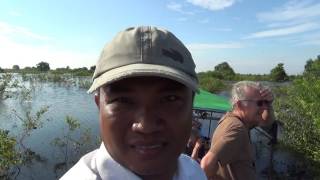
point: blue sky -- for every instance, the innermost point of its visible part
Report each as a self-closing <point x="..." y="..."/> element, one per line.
<point x="253" y="36"/>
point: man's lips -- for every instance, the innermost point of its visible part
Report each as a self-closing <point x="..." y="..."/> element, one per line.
<point x="148" y="146"/>
<point x="147" y="149"/>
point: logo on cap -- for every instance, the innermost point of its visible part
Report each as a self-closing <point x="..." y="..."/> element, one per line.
<point x="173" y="54"/>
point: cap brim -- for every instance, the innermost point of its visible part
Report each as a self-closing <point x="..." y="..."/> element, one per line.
<point x="135" y="70"/>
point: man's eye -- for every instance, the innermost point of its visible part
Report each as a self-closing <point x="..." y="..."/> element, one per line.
<point x="124" y="100"/>
<point x="171" y="98"/>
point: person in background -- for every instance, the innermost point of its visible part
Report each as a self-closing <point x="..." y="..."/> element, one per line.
<point x="231" y="154"/>
<point x="144" y="84"/>
<point x="195" y="148"/>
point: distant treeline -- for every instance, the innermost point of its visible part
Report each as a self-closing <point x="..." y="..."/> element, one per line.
<point x="296" y="108"/>
<point x="214" y="80"/>
<point x="44" y="67"/>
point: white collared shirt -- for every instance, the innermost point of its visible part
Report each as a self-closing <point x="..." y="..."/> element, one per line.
<point x="99" y="165"/>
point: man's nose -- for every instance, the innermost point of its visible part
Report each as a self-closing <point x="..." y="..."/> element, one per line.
<point x="147" y="121"/>
<point x="266" y="104"/>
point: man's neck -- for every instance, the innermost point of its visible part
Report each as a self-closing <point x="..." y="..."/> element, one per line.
<point x="240" y="115"/>
<point x="157" y="177"/>
<point x="163" y="176"/>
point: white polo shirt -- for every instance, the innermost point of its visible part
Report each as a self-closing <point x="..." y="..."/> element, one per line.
<point x="99" y="165"/>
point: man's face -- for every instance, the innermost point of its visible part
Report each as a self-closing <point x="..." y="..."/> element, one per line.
<point x="253" y="110"/>
<point x="192" y="141"/>
<point x="145" y="123"/>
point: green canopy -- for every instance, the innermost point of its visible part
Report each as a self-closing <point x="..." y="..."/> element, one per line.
<point x="205" y="100"/>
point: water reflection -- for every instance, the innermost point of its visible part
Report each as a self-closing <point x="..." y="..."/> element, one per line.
<point x="62" y="101"/>
<point x="67" y="99"/>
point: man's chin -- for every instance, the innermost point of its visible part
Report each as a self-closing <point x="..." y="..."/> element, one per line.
<point x="156" y="167"/>
<point x="154" y="171"/>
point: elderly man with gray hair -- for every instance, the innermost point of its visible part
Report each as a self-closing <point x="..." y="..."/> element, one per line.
<point x="231" y="154"/>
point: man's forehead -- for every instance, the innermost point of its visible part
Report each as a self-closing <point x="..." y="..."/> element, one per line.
<point x="252" y="92"/>
<point x="132" y="83"/>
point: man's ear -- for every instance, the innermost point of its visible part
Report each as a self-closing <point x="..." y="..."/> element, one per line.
<point x="97" y="98"/>
<point x="238" y="105"/>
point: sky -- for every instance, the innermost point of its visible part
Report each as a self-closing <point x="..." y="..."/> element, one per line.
<point x="253" y="36"/>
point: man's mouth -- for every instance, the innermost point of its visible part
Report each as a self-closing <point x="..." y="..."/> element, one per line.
<point x="149" y="146"/>
<point x="148" y="150"/>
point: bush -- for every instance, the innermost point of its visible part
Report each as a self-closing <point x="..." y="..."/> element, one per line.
<point x="8" y="154"/>
<point x="278" y="73"/>
<point x="312" y="67"/>
<point x="225" y="71"/>
<point x="298" y="109"/>
<point x="212" y="84"/>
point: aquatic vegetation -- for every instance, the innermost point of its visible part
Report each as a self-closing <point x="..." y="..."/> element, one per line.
<point x="7" y="84"/>
<point x="296" y="106"/>
<point x="72" y="146"/>
<point x="9" y="155"/>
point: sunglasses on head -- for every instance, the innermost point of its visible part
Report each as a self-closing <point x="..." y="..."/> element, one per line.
<point x="259" y="103"/>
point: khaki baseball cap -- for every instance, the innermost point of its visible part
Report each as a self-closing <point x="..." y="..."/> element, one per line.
<point x="145" y="51"/>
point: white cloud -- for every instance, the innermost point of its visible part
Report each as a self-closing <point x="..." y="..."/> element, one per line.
<point x="182" y="19"/>
<point x="178" y="8"/>
<point x="205" y="47"/>
<point x="174" y="6"/>
<point x="294" y="17"/>
<point x="12" y="53"/>
<point x="15" y="50"/>
<point x="212" y="4"/>
<point x="311" y="39"/>
<point x="15" y="13"/>
<point x="204" y="21"/>
<point x="285" y="31"/>
<point x="222" y="29"/>
<point x="236" y="18"/>
<point x="311" y="42"/>
<point x="8" y="29"/>
<point x="292" y="11"/>
<point x="284" y="24"/>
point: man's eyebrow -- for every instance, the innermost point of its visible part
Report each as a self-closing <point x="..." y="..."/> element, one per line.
<point x="124" y="88"/>
<point x="116" y="88"/>
<point x="173" y="87"/>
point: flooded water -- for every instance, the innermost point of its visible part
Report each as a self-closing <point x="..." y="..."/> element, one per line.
<point x="68" y="100"/>
<point x="62" y="101"/>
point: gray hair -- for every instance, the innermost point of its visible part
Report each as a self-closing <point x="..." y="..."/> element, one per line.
<point x="238" y="90"/>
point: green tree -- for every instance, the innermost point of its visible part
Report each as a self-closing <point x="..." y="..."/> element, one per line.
<point x="312" y="67"/>
<point x="211" y="84"/>
<point x="308" y="65"/>
<point x="43" y="66"/>
<point x="278" y="73"/>
<point x="1" y="70"/>
<point x="225" y="71"/>
<point x="15" y="67"/>
<point x="92" y="68"/>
